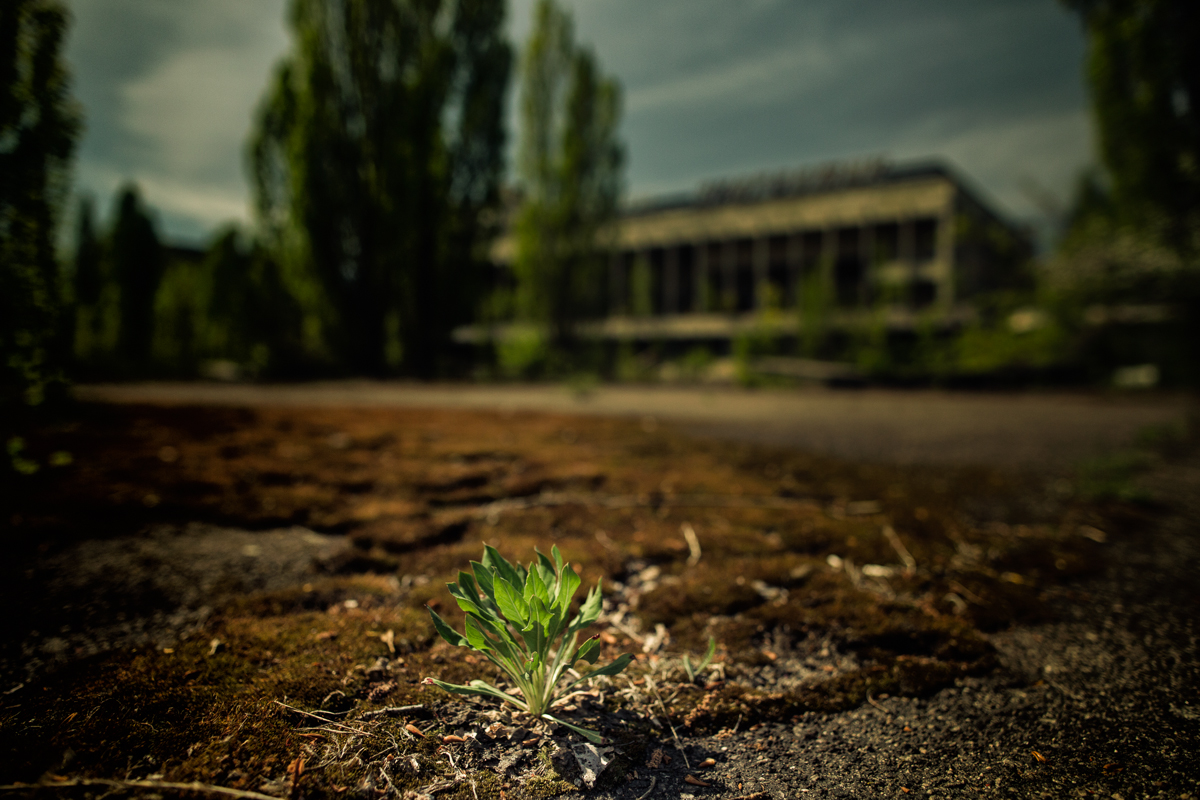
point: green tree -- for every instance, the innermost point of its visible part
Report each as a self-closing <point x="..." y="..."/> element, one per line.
<point x="39" y="124"/>
<point x="1144" y="70"/>
<point x="253" y="317"/>
<point x="570" y="165"/>
<point x="378" y="149"/>
<point x="87" y="278"/>
<point x="137" y="263"/>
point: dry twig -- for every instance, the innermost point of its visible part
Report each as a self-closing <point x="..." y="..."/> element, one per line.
<point x="910" y="563"/>
<point x="194" y="786"/>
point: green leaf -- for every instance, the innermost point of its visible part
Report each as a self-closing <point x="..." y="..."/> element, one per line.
<point x="590" y="735"/>
<point x="478" y="687"/>
<point x="464" y="602"/>
<point x="449" y="634"/>
<point x="493" y="559"/>
<point x="558" y="559"/>
<point x="484" y="575"/>
<point x="535" y="586"/>
<point x="467" y="583"/>
<point x="500" y="638"/>
<point x="549" y="580"/>
<point x="545" y="563"/>
<point x="568" y="584"/>
<point x="532" y="634"/>
<point x="538" y="611"/>
<point x="512" y="605"/>
<point x="590" y="611"/>
<point x="612" y="668"/>
<point x="475" y="636"/>
<point x="589" y="651"/>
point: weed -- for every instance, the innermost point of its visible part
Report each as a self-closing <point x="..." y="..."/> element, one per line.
<point x="691" y="671"/>
<point x="517" y="617"/>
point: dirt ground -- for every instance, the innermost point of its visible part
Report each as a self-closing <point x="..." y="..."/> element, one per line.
<point x="233" y="595"/>
<point x="1040" y="430"/>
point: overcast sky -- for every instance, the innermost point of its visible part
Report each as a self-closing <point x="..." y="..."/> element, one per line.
<point x="712" y="88"/>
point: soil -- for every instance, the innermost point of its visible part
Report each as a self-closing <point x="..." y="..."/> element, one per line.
<point x="235" y="596"/>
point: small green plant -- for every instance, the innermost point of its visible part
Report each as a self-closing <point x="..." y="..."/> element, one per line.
<point x="691" y="671"/>
<point x="518" y="618"/>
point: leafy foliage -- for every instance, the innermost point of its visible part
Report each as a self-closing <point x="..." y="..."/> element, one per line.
<point x="570" y="164"/>
<point x="1144" y="71"/>
<point x="519" y="618"/>
<point x="39" y="124"/>
<point x="377" y="152"/>
<point x="138" y="262"/>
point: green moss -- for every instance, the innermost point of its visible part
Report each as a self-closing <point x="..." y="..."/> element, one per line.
<point x="540" y="786"/>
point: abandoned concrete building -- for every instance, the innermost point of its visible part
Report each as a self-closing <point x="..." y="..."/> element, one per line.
<point x="909" y="242"/>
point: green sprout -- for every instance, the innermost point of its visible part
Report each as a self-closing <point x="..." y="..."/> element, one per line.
<point x="518" y="618"/>
<point x="691" y="671"/>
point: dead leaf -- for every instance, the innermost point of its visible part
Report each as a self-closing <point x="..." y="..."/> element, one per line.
<point x="389" y="639"/>
<point x="694" y="781"/>
<point x="1041" y="758"/>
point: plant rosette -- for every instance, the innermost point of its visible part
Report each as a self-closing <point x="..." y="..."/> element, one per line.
<point x="517" y="617"/>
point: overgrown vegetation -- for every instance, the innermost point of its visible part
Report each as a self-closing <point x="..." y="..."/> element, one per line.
<point x="520" y="619"/>
<point x="39" y="124"/>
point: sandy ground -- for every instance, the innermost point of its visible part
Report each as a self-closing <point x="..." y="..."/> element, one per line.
<point x="1042" y="430"/>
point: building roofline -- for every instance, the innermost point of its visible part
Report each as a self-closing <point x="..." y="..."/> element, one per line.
<point x="801" y="182"/>
<point x="815" y="181"/>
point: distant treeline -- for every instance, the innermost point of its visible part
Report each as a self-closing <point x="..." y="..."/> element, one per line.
<point x="142" y="308"/>
<point x="376" y="163"/>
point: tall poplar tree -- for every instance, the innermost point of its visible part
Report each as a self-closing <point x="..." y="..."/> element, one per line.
<point x="137" y="265"/>
<point x="378" y="147"/>
<point x="1143" y="66"/>
<point x="570" y="167"/>
<point x="39" y="123"/>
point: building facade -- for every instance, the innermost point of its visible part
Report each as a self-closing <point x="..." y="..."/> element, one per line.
<point x="905" y="241"/>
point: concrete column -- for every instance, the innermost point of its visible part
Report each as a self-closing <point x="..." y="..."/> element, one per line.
<point x="944" y="254"/>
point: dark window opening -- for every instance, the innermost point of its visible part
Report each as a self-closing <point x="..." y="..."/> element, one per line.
<point x="887" y="242"/>
<point x="778" y="274"/>
<point x="924" y="293"/>
<point x="686" y="265"/>
<point x="848" y="272"/>
<point x="925" y="239"/>
<point x="848" y="280"/>
<point x="623" y="291"/>
<point x="745" y="275"/>
<point x="658" y="294"/>
<point x="716" y="277"/>
<point x="811" y="247"/>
